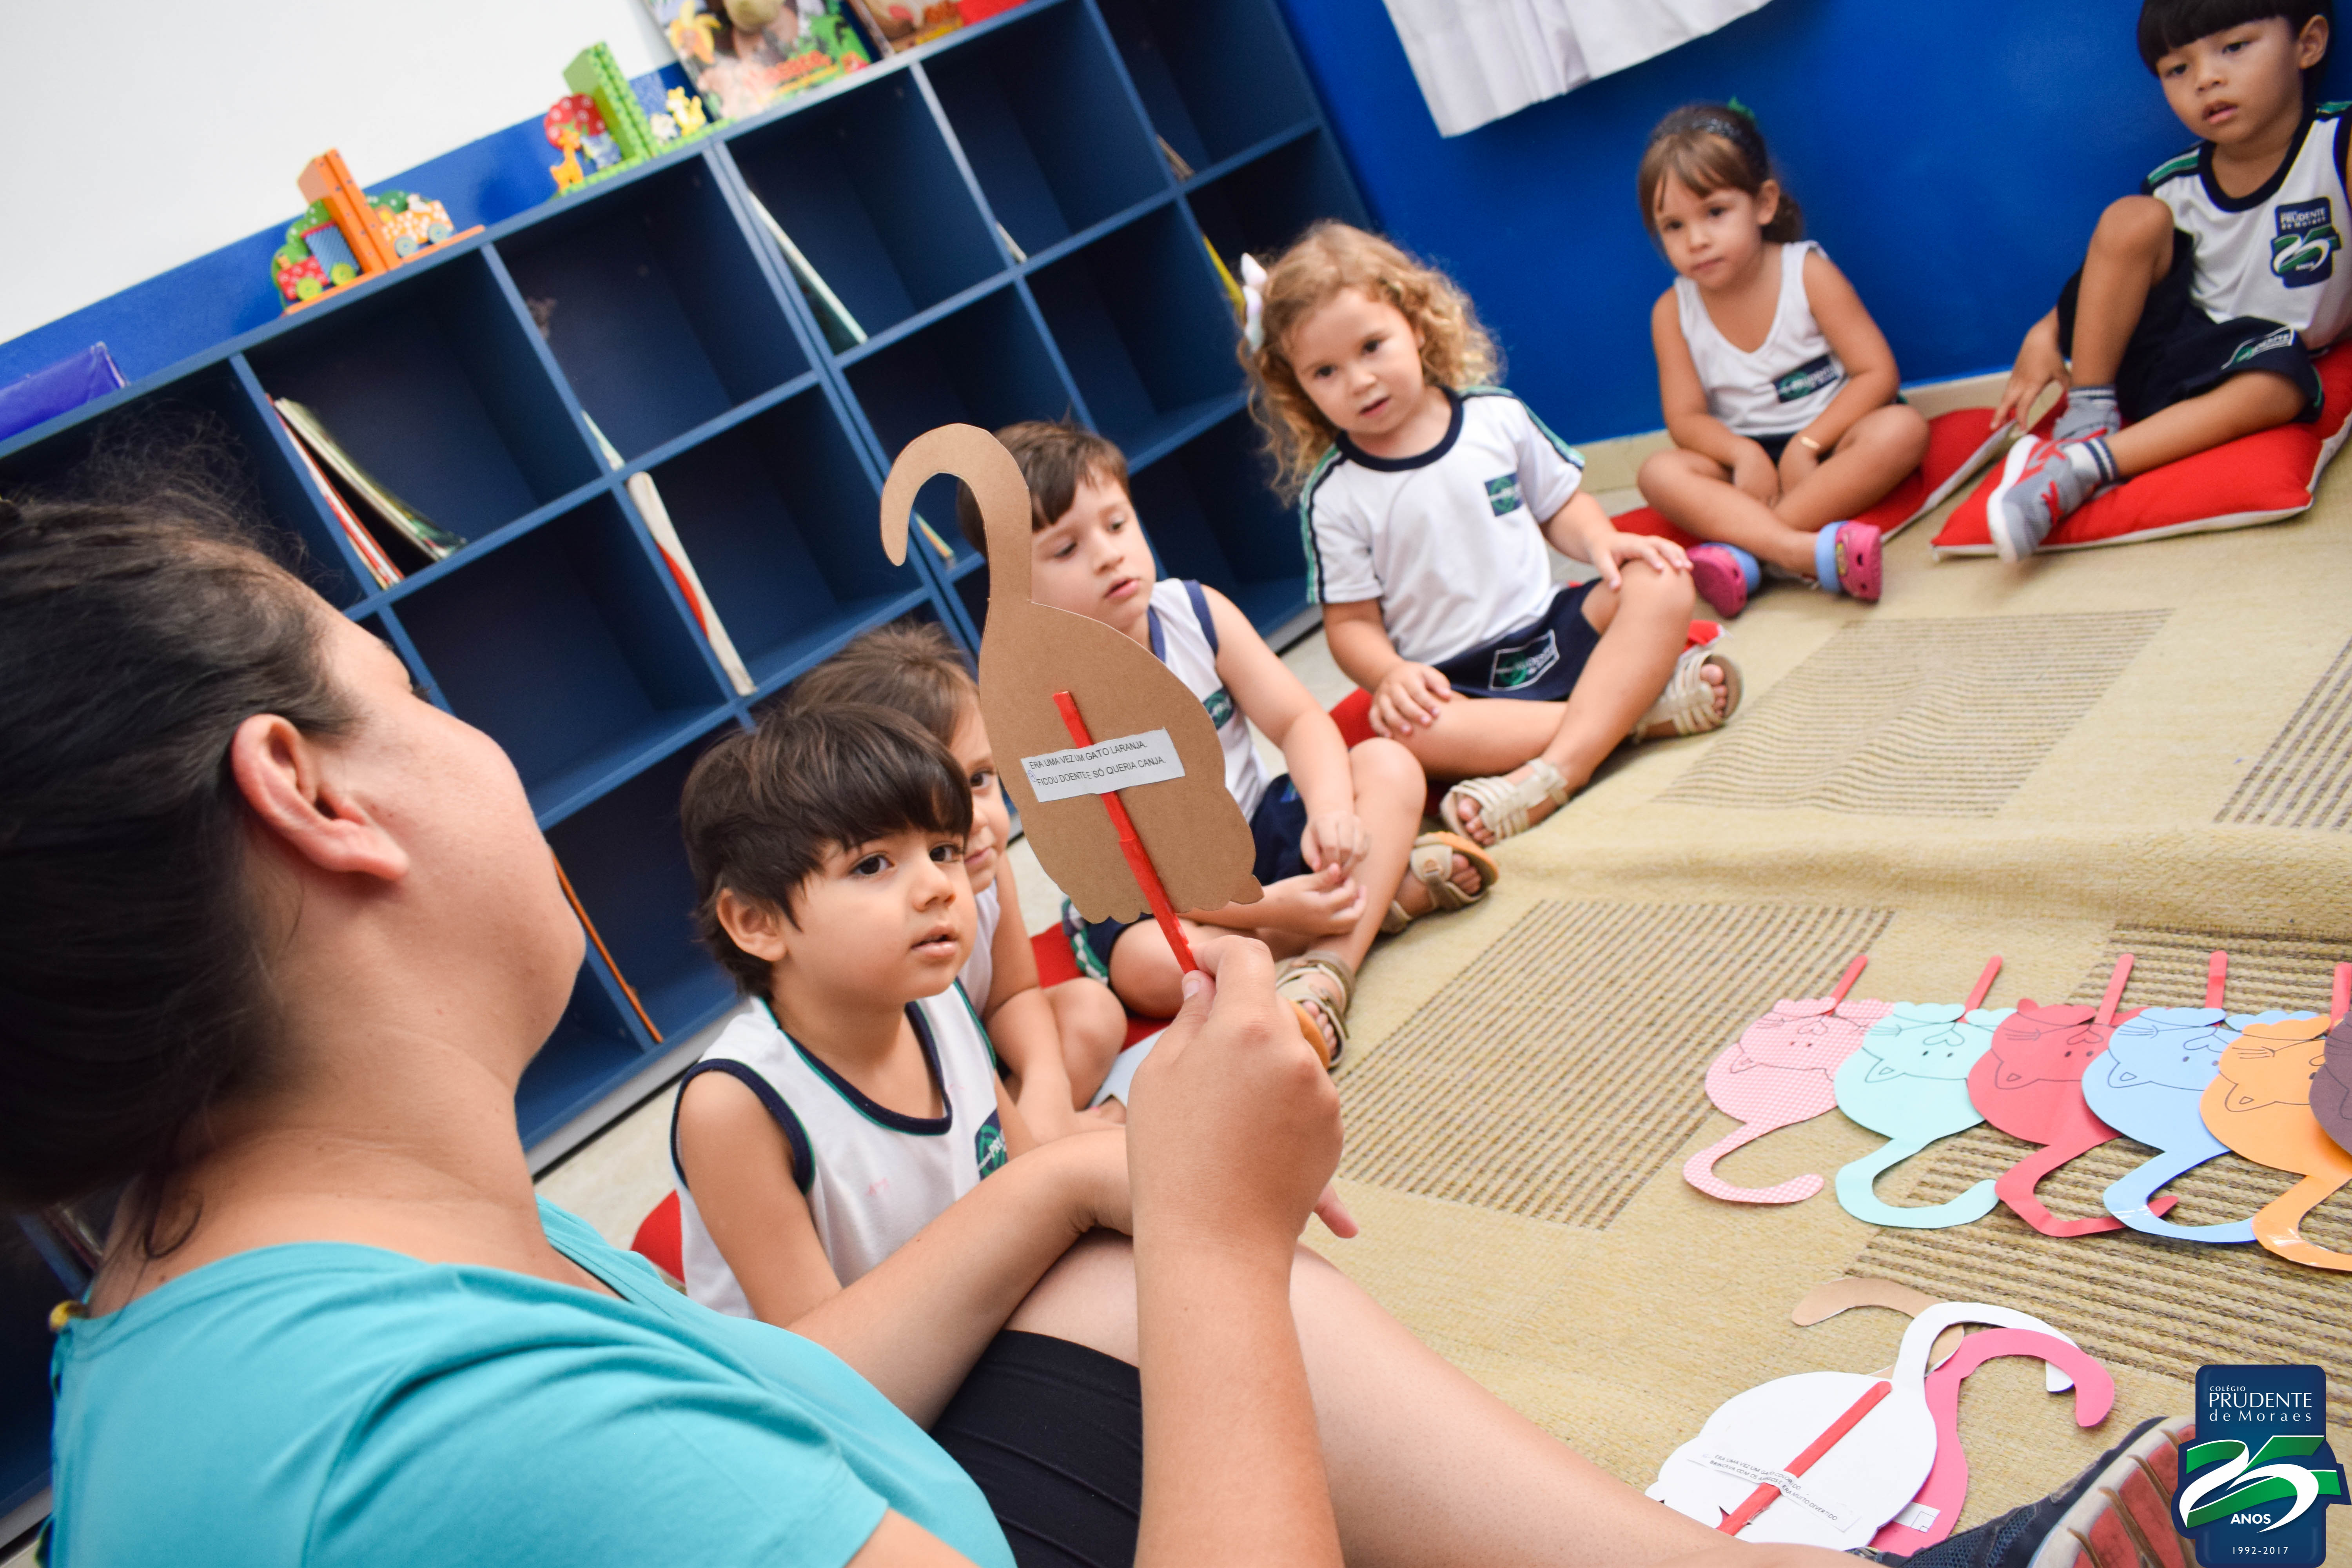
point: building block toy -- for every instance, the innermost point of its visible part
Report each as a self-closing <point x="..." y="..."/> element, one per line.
<point x="608" y="122"/>
<point x="346" y="236"/>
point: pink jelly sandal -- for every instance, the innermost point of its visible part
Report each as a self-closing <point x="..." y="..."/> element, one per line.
<point x="1846" y="553"/>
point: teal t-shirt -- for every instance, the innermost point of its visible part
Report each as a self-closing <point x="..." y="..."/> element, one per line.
<point x="325" y="1404"/>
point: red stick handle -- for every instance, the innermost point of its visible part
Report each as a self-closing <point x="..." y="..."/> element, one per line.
<point x="2115" y="990"/>
<point x="1762" y="1497"/>
<point x="1138" y="860"/>
<point x="1853" y="973"/>
<point x="2341" y="997"/>
<point x="2217" y="977"/>
<point x="1984" y="983"/>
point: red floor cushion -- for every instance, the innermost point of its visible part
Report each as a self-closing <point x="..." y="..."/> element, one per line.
<point x="1958" y="444"/>
<point x="658" y="1240"/>
<point x="2263" y="478"/>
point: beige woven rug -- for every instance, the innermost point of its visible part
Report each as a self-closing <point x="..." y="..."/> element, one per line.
<point x="2145" y="749"/>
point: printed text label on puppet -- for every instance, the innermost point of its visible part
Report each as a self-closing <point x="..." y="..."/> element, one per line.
<point x="1107" y="766"/>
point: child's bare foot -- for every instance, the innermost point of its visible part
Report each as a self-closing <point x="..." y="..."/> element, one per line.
<point x="1417" y="899"/>
<point x="1443" y="871"/>
<point x="1710" y="671"/>
<point x="1488" y="810"/>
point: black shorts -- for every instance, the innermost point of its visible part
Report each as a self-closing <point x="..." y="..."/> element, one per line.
<point x="1275" y="828"/>
<point x="2177" y="350"/>
<point x="1053" y="1433"/>
<point x="1538" y="662"/>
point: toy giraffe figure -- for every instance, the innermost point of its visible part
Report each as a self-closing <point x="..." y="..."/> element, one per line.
<point x="1190" y="827"/>
<point x="686" y="111"/>
<point x="568" y="173"/>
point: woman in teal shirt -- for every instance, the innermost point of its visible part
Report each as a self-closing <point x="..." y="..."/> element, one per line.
<point x="279" y="938"/>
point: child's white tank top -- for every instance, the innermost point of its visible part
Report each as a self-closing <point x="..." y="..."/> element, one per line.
<point x="979" y="976"/>
<point x="1793" y="376"/>
<point x="2273" y="252"/>
<point x="872" y="1176"/>
<point x="1184" y="638"/>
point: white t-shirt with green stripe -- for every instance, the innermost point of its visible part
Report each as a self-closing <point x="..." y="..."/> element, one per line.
<point x="2272" y="253"/>
<point x="1449" y="541"/>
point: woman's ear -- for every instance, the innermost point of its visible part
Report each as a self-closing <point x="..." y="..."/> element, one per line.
<point x="292" y="785"/>
<point x="1768" y="202"/>
<point x="755" y="925"/>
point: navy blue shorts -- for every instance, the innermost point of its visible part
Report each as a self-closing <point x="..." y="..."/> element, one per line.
<point x="1276" y="826"/>
<point x="1538" y="662"/>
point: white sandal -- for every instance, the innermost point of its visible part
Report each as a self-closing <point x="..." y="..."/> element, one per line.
<point x="1503" y="805"/>
<point x="1431" y="865"/>
<point x="1687" y="703"/>
<point x="1293" y="982"/>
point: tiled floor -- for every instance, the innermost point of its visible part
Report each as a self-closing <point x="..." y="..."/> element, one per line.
<point x="615" y="1179"/>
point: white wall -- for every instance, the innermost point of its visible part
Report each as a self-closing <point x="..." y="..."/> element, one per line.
<point x="146" y="133"/>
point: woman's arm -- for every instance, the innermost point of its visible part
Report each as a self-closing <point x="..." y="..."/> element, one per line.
<point x="1871" y="377"/>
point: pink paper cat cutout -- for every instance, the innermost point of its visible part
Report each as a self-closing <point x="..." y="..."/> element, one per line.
<point x="1780" y="1071"/>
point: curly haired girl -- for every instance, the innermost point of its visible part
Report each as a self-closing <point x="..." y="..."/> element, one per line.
<point x="1426" y="497"/>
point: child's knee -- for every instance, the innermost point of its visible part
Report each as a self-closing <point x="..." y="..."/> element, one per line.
<point x="2134" y="225"/>
<point x="1669" y="467"/>
<point x="1385" y="767"/>
<point x="1651" y="593"/>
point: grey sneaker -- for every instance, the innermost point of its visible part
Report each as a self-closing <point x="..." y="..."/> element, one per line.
<point x="2089" y="411"/>
<point x="2040" y="482"/>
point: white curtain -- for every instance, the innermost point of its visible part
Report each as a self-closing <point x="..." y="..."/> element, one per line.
<point x="1477" y="60"/>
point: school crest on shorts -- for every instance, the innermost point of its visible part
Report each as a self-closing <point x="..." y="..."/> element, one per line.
<point x="2303" y="252"/>
<point x="1503" y="494"/>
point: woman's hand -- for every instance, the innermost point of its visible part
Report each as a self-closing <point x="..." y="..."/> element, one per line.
<point x="1755" y="472"/>
<point x="1335" y="838"/>
<point x="2039" y="366"/>
<point x="1613" y="549"/>
<point x="1234" y="1129"/>
<point x="1407" y="697"/>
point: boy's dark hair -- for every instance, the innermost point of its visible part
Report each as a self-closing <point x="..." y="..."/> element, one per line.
<point x="2168" y="25"/>
<point x="764" y="807"/>
<point x="1055" y="456"/>
<point x="914" y="669"/>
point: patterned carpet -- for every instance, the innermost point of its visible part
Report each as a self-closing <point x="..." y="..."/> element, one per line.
<point x="2144" y="750"/>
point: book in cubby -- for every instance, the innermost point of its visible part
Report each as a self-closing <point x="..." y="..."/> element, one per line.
<point x="655" y="305"/>
<point x="867" y="186"/>
<point x="430" y="380"/>
<point x="1051" y="133"/>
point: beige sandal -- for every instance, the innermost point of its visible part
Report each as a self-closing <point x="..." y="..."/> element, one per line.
<point x="1686" y="706"/>
<point x="1295" y="982"/>
<point x="1503" y="805"/>
<point x="1432" y="864"/>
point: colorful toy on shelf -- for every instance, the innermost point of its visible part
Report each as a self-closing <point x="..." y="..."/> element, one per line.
<point x="2030" y="1085"/>
<point x="577" y="113"/>
<point x="1930" y="1514"/>
<point x="1909" y="1082"/>
<point x="900" y="24"/>
<point x="603" y="117"/>
<point x="1791" y="1460"/>
<point x="345" y="235"/>
<point x="1780" y="1071"/>
<point x="744" y="55"/>
<point x="2147" y="1087"/>
<point x="686" y="113"/>
<point x="2259" y="1104"/>
<point x="567" y="173"/>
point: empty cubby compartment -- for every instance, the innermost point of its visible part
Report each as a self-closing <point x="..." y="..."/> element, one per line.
<point x="1147" y="335"/>
<point x="628" y="863"/>
<point x="985" y="364"/>
<point x="1215" y="76"/>
<point x="591" y="1052"/>
<point x="431" y="383"/>
<point x="1209" y="510"/>
<point x="778" y="516"/>
<point x="866" y="188"/>
<point x="1266" y="203"/>
<point x="1048" y="127"/>
<point x="230" y="433"/>
<point x="654" y="302"/>
<point x="567" y="647"/>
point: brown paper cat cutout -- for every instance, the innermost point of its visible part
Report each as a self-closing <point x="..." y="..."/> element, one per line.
<point x="1192" y="829"/>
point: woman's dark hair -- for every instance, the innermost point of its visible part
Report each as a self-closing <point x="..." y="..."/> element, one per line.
<point x="763" y="807"/>
<point x="1712" y="147"/>
<point x="140" y="624"/>
<point x="2168" y="25"/>
<point x="915" y="669"/>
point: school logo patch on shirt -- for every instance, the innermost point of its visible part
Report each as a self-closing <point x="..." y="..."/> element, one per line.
<point x="1806" y="379"/>
<point x="2304" y="253"/>
<point x="1503" y="494"/>
<point x="988" y="1145"/>
<point x="1220" y="707"/>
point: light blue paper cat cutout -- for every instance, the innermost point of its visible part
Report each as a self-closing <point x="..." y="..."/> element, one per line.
<point x="2147" y="1086"/>
<point x="1908" y="1082"/>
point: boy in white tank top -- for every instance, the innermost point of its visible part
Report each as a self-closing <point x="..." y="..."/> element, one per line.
<point x="860" y="1097"/>
<point x="2201" y="299"/>
<point x="1336" y="851"/>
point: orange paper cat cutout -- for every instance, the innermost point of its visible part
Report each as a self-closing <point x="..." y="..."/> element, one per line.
<point x="2259" y="1105"/>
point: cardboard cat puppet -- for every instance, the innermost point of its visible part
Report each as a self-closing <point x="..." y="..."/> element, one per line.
<point x="1909" y="1082"/>
<point x="1781" y="1071"/>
